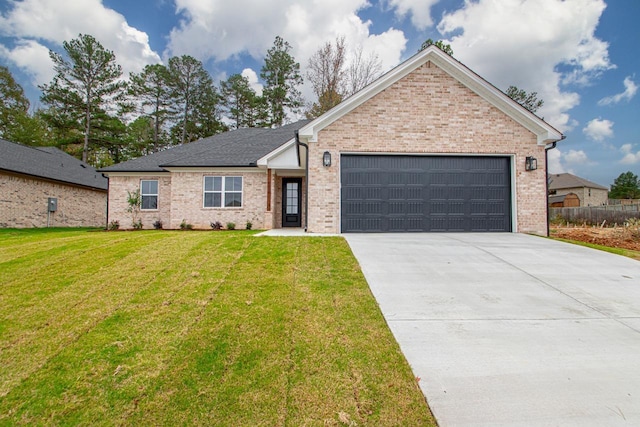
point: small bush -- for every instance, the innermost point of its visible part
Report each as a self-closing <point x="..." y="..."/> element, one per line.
<point x="157" y="225"/>
<point x="216" y="225"/>
<point x="184" y="225"/>
<point x="114" y="225"/>
<point x="137" y="225"/>
<point x="231" y="226"/>
<point x="249" y="225"/>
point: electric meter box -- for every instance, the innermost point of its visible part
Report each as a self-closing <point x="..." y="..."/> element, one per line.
<point x="53" y="204"/>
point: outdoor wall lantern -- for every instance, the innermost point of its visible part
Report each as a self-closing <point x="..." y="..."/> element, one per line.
<point x="530" y="163"/>
<point x="326" y="159"/>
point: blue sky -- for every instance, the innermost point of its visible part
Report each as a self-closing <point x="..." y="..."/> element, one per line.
<point x="581" y="56"/>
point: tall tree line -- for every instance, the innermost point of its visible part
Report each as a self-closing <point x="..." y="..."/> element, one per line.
<point x="94" y="112"/>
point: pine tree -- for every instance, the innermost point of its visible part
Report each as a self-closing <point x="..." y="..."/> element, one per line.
<point x="241" y="103"/>
<point x="195" y="100"/>
<point x="151" y="88"/>
<point x="625" y="186"/>
<point x="281" y="74"/>
<point x="85" y="87"/>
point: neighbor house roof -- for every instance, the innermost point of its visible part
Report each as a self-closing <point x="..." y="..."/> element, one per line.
<point x="544" y="132"/>
<point x="48" y="163"/>
<point x="566" y="180"/>
<point x="237" y="148"/>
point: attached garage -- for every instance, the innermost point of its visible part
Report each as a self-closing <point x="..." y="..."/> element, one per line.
<point x="429" y="147"/>
<point x="406" y="193"/>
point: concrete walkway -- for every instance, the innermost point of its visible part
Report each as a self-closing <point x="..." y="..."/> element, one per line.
<point x="293" y="232"/>
<point x="511" y="329"/>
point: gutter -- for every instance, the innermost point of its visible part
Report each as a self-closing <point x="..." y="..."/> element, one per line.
<point x="306" y="178"/>
<point x="546" y="168"/>
<point x="106" y="226"/>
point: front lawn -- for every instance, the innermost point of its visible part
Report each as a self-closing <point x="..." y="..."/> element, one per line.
<point x="194" y="328"/>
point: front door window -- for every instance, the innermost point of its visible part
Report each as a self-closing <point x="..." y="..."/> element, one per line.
<point x="291" y="202"/>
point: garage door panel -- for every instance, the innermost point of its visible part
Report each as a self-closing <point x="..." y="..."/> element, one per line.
<point x="425" y="193"/>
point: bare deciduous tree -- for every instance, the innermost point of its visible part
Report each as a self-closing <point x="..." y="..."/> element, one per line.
<point x="335" y="75"/>
<point x="327" y="76"/>
<point x="362" y="70"/>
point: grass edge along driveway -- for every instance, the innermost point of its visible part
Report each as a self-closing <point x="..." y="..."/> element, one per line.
<point x="199" y="328"/>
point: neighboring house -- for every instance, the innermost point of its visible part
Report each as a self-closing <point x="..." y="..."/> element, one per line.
<point x="43" y="186"/>
<point x="429" y="146"/>
<point x="589" y="193"/>
<point x="568" y="200"/>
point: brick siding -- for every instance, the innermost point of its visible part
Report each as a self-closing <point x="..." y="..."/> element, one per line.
<point x="23" y="203"/>
<point x="181" y="198"/>
<point x="426" y="112"/>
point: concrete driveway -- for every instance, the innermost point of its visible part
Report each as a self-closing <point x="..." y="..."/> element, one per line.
<point x="511" y="329"/>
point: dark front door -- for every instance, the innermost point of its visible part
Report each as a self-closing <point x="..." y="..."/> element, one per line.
<point x="291" y="192"/>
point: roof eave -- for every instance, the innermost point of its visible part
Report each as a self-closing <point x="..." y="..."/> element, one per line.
<point x="49" y="179"/>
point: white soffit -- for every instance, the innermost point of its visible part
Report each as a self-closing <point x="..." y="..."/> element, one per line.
<point x="283" y="157"/>
<point x="545" y="133"/>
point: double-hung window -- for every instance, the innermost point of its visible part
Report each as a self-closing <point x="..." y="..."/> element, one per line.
<point x="222" y="191"/>
<point x="149" y="194"/>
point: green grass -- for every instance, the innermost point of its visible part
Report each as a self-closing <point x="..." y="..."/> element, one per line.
<point x="194" y="328"/>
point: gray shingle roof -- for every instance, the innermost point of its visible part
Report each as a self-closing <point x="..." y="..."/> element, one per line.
<point x="566" y="180"/>
<point x="49" y="163"/>
<point x="239" y="148"/>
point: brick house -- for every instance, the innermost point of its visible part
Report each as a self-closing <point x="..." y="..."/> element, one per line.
<point x="429" y="146"/>
<point x="43" y="186"/>
<point x="588" y="193"/>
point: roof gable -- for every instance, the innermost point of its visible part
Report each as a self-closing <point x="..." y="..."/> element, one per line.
<point x="544" y="132"/>
<point x="48" y="163"/>
<point x="566" y="180"/>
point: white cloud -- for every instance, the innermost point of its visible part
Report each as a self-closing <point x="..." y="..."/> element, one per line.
<point x="218" y="29"/>
<point x="554" y="161"/>
<point x="599" y="129"/>
<point x="252" y="76"/>
<point x="561" y="162"/>
<point x="36" y="23"/>
<point x="630" y="158"/>
<point x="630" y="89"/>
<point x="531" y="44"/>
<point x="33" y="58"/>
<point x="576" y="157"/>
<point x="420" y="11"/>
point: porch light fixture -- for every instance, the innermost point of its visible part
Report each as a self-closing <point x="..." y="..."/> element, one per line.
<point x="530" y="163"/>
<point x="326" y="159"/>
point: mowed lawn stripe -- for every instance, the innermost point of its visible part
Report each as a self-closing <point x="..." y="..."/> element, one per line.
<point x="218" y="329"/>
<point x="53" y="322"/>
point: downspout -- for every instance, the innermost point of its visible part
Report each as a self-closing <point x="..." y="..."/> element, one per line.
<point x="106" y="227"/>
<point x="546" y="169"/>
<point x="306" y="178"/>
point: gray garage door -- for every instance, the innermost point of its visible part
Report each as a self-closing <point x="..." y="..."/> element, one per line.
<point x="385" y="193"/>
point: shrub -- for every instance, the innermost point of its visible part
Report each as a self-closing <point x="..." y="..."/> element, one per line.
<point x="231" y="226"/>
<point x="249" y="225"/>
<point x="134" y="200"/>
<point x="216" y="225"/>
<point x="184" y="225"/>
<point x="157" y="225"/>
<point x="114" y="225"/>
<point x="137" y="225"/>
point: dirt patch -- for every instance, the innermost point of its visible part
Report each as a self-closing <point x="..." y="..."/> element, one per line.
<point x="618" y="237"/>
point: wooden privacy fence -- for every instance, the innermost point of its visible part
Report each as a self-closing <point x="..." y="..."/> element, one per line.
<point x="608" y="214"/>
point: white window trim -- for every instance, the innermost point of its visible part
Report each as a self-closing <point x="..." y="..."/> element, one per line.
<point x="150" y="194"/>
<point x="222" y="192"/>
